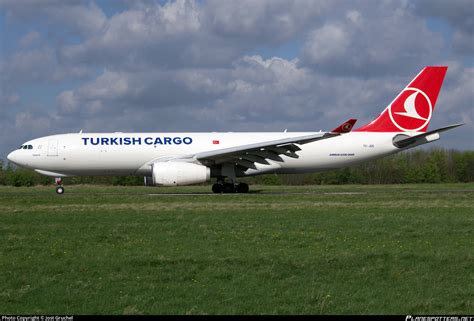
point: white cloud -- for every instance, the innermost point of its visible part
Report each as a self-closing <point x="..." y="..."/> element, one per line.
<point x="380" y="38"/>
<point x="354" y="16"/>
<point x="459" y="14"/>
<point x="186" y="33"/>
<point x="457" y="94"/>
<point x="264" y="21"/>
<point x="138" y="38"/>
<point x="38" y="66"/>
<point x="463" y="42"/>
<point x="67" y="101"/>
<point x="86" y="20"/>
<point x="30" y="39"/>
<point x="71" y="14"/>
<point x="31" y="122"/>
<point x="253" y="92"/>
<point x="325" y="43"/>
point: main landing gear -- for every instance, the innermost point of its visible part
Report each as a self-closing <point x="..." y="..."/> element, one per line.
<point x="221" y="187"/>
<point x="59" y="185"/>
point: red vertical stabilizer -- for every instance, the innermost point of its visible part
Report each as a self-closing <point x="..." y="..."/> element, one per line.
<point x="412" y="109"/>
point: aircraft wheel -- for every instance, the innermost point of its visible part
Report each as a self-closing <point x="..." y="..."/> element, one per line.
<point x="217" y="188"/>
<point x="242" y="188"/>
<point x="228" y="188"/>
<point x="60" y="190"/>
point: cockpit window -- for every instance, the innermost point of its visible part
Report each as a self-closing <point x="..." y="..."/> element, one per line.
<point x="30" y="146"/>
<point x="25" y="146"/>
<point x="21" y="147"/>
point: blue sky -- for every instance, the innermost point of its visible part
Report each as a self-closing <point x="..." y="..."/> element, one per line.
<point x="226" y="65"/>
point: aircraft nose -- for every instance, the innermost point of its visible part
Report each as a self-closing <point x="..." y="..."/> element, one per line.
<point x="13" y="157"/>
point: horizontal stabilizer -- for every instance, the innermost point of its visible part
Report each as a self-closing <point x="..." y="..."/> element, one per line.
<point x="403" y="141"/>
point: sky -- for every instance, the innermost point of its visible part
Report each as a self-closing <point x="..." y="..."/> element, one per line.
<point x="218" y="65"/>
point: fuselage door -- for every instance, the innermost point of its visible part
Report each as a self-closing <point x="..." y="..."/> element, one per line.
<point x="52" y="147"/>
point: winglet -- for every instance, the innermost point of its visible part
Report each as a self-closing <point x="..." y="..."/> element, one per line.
<point x="345" y="127"/>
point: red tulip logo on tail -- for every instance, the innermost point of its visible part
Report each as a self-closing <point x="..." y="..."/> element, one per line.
<point x="411" y="111"/>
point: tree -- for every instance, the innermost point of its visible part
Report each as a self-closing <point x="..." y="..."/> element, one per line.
<point x="2" y="173"/>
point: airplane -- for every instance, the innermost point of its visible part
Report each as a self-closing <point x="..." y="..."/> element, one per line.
<point x="176" y="159"/>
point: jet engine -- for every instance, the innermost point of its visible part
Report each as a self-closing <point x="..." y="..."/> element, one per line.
<point x="179" y="173"/>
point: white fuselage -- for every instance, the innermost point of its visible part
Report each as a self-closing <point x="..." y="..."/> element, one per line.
<point x="133" y="154"/>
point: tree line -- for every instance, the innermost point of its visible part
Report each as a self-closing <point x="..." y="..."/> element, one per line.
<point x="415" y="166"/>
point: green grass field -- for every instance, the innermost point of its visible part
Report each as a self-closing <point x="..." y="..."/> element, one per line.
<point x="278" y="250"/>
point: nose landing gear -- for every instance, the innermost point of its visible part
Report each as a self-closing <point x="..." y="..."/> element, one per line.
<point x="59" y="187"/>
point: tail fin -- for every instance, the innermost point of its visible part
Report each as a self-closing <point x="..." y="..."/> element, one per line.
<point x="412" y="109"/>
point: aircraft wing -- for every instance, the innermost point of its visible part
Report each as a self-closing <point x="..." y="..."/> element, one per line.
<point x="246" y="156"/>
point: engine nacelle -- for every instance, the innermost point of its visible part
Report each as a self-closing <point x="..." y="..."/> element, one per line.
<point x="179" y="173"/>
